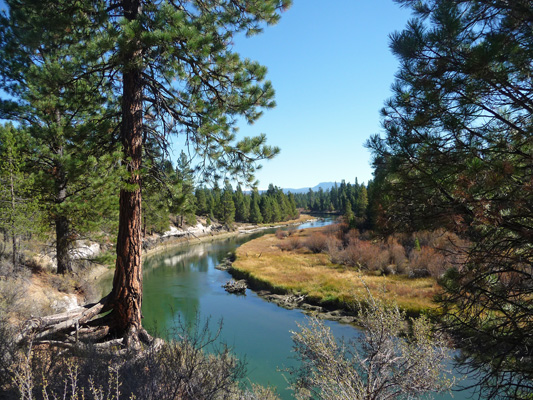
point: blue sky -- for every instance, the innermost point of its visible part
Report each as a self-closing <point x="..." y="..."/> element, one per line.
<point x="331" y="67"/>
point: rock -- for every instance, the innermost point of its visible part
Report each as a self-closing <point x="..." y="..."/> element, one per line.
<point x="226" y="263"/>
<point x="311" y="308"/>
<point x="236" y="286"/>
<point x="64" y="303"/>
<point x="83" y="249"/>
<point x="418" y="273"/>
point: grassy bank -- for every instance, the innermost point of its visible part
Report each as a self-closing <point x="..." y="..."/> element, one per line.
<point x="263" y="262"/>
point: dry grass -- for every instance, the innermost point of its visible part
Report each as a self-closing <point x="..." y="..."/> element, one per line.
<point x="312" y="274"/>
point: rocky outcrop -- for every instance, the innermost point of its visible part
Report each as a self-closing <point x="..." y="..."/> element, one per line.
<point x="236" y="286"/>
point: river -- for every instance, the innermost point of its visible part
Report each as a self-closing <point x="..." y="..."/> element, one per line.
<point x="183" y="283"/>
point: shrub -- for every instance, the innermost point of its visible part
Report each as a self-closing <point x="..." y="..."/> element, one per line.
<point x="397" y="255"/>
<point x="427" y="262"/>
<point x="178" y="370"/>
<point x="281" y="234"/>
<point x="291" y="243"/>
<point x="385" y="361"/>
<point x="317" y="242"/>
<point x="7" y="351"/>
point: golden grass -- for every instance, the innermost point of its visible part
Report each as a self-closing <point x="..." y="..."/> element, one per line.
<point x="315" y="276"/>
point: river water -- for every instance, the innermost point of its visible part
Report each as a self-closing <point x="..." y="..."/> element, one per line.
<point x="183" y="284"/>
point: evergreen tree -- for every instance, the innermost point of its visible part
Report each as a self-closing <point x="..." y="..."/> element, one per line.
<point x="201" y="201"/>
<point x="227" y="205"/>
<point x="184" y="202"/>
<point x="265" y="205"/>
<point x="293" y="210"/>
<point x="362" y="201"/>
<point x="457" y="153"/>
<point x="66" y="110"/>
<point x="172" y="62"/>
<point x="18" y="209"/>
<point x="255" y="212"/>
<point x="217" y="201"/>
<point x="276" y="210"/>
<point x="242" y="212"/>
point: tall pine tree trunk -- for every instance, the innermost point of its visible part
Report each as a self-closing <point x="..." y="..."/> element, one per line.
<point x="13" y="211"/>
<point x="126" y="296"/>
<point x="64" y="264"/>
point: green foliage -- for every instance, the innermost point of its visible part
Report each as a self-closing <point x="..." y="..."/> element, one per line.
<point x="66" y="67"/>
<point x="344" y="198"/>
<point x="457" y="154"/>
<point x="255" y="211"/>
<point x="227" y="205"/>
<point x="19" y="213"/>
<point x="66" y="111"/>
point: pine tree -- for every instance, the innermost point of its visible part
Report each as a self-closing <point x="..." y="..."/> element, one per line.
<point x="265" y="206"/>
<point x="45" y="56"/>
<point x="242" y="212"/>
<point x="255" y="212"/>
<point x="19" y="212"/>
<point x="184" y="202"/>
<point x="201" y="201"/>
<point x="361" y="202"/>
<point x="456" y="153"/>
<point x="293" y="211"/>
<point x="173" y="62"/>
<point x="227" y="205"/>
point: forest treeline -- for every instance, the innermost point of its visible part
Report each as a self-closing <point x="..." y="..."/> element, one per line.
<point x="66" y="196"/>
<point x="34" y="199"/>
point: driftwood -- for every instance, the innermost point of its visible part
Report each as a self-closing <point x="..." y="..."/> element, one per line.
<point x="236" y="286"/>
<point x="79" y="329"/>
<point x="45" y="327"/>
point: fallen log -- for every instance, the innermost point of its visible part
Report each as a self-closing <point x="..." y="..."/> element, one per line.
<point x="44" y="327"/>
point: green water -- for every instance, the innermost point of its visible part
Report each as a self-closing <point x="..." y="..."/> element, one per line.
<point x="183" y="283"/>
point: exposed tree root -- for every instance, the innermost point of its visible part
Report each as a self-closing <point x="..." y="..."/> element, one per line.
<point x="79" y="329"/>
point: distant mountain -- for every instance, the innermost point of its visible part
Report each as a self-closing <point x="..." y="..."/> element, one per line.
<point x="324" y="185"/>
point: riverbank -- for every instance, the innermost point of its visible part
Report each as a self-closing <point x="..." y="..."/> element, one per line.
<point x="298" y="278"/>
<point x="200" y="233"/>
<point x="40" y="291"/>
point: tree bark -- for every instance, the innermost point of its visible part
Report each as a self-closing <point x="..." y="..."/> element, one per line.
<point x="13" y="211"/>
<point x="126" y="295"/>
<point x="64" y="264"/>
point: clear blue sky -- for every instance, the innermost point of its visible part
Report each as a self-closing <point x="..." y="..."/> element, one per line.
<point x="331" y="67"/>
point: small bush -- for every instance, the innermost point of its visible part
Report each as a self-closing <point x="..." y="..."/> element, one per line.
<point x="7" y="352"/>
<point x="281" y="234"/>
<point x="291" y="231"/>
<point x="291" y="243"/>
<point x="384" y="361"/>
<point x="427" y="262"/>
<point x="397" y="255"/>
<point x="317" y="242"/>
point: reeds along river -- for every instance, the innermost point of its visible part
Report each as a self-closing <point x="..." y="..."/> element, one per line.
<point x="184" y="284"/>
